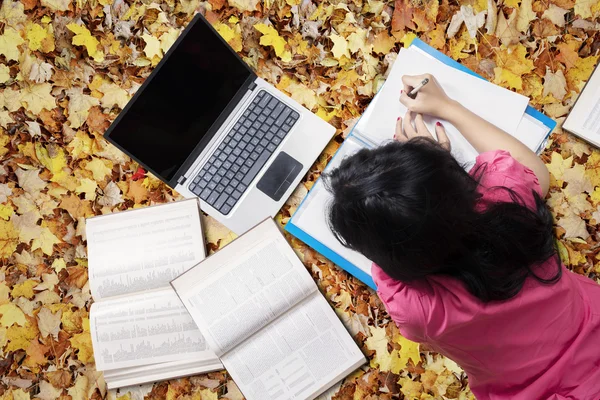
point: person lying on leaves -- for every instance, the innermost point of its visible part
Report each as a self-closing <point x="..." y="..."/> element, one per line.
<point x="466" y="261"/>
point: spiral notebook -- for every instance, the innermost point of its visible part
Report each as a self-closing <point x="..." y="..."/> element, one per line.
<point x="505" y="109"/>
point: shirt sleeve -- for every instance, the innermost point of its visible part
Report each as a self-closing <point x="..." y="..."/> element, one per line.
<point x="499" y="169"/>
<point x="403" y="303"/>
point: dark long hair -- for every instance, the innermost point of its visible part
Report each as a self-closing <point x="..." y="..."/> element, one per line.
<point x="411" y="209"/>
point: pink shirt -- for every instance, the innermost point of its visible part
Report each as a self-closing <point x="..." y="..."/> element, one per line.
<point x="544" y="343"/>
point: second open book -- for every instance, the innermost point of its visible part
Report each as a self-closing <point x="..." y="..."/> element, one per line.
<point x="262" y="314"/>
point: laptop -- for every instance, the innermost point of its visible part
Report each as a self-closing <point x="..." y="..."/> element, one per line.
<point x="206" y="125"/>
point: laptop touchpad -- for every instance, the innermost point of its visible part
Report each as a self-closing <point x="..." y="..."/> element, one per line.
<point x="279" y="176"/>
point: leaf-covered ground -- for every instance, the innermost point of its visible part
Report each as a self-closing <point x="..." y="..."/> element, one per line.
<point x="67" y="68"/>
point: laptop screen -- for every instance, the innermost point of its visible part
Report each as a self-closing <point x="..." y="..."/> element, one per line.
<point x="183" y="98"/>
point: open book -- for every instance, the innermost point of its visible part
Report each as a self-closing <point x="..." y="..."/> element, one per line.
<point x="503" y="108"/>
<point x="140" y="330"/>
<point x="262" y="314"/>
<point x="584" y="118"/>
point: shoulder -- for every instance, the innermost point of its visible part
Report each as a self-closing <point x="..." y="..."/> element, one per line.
<point x="498" y="169"/>
<point x="405" y="303"/>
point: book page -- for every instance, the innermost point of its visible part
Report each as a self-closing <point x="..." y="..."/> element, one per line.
<point x="309" y="351"/>
<point x="146" y="328"/>
<point x="311" y="217"/>
<point x="244" y="286"/>
<point x="143" y="249"/>
<point x="497" y="105"/>
<point x="159" y="372"/>
<point x="584" y="119"/>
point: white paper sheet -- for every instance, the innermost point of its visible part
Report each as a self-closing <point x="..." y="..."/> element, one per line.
<point x="497" y="105"/>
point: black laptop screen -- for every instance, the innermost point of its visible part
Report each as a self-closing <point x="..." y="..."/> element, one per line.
<point x="182" y="99"/>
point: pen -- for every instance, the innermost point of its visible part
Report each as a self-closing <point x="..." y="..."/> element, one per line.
<point x="413" y="93"/>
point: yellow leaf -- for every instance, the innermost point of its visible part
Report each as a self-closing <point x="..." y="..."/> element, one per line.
<point x="270" y="37"/>
<point x="79" y="106"/>
<point x="83" y="37"/>
<point x="298" y="92"/>
<point x="99" y="168"/>
<point x="558" y="165"/>
<point x="11" y="314"/>
<point x="583" y="8"/>
<point x="6" y="211"/>
<point x="113" y="94"/>
<point x="526" y="15"/>
<point x="408" y="38"/>
<point x="4" y="291"/>
<point x="244" y="5"/>
<point x="393" y="362"/>
<point x="9" y="238"/>
<point x="83" y="343"/>
<point x="12" y="13"/>
<point x="54" y="159"/>
<point x="59" y="264"/>
<point x="57" y="5"/>
<point x="230" y="35"/>
<point x="574" y="226"/>
<point x="88" y="187"/>
<point x="37" y="98"/>
<point x="169" y="37"/>
<point x="79" y="390"/>
<point x="508" y="79"/>
<point x="81" y="145"/>
<point x="45" y="241"/>
<point x="19" y="337"/>
<point x="152" y="47"/>
<point x="9" y="44"/>
<point x="4" y="74"/>
<point x="358" y="41"/>
<point x="24" y="289"/>
<point x="383" y="43"/>
<point x="409" y="349"/>
<point x="340" y="46"/>
<point x="512" y="3"/>
<point x="20" y="394"/>
<point x="207" y="394"/>
<point x="39" y="38"/>
<point x="582" y="71"/>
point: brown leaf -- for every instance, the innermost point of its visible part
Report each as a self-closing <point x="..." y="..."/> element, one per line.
<point x="402" y="16"/>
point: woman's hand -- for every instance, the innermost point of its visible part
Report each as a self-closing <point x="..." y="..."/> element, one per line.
<point x="430" y="100"/>
<point x="406" y="131"/>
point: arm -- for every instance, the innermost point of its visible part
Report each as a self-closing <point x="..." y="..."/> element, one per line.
<point x="482" y="135"/>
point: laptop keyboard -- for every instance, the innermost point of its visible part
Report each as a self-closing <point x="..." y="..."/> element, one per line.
<point x="244" y="151"/>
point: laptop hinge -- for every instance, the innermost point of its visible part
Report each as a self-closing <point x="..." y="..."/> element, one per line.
<point x="181" y="179"/>
<point x="252" y="86"/>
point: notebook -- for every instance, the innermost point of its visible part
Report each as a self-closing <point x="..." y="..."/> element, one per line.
<point x="262" y="314"/>
<point x="377" y="126"/>
<point x="584" y="118"/>
<point x="140" y="330"/>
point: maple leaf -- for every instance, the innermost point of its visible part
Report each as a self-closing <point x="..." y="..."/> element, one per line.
<point x="111" y="195"/>
<point x="358" y="41"/>
<point x="558" y="165"/>
<point x="10" y="315"/>
<point x="270" y="37"/>
<point x="299" y="92"/>
<point x="113" y="94"/>
<point x="37" y="97"/>
<point x="36" y="353"/>
<point x="54" y="159"/>
<point x="394" y="361"/>
<point x="12" y="12"/>
<point x="10" y="41"/>
<point x="4" y="77"/>
<point x="79" y="390"/>
<point x="26" y="225"/>
<point x="556" y="15"/>
<point x="233" y="392"/>
<point x="39" y="38"/>
<point x="9" y="238"/>
<point x="402" y="16"/>
<point x="216" y="233"/>
<point x="45" y="241"/>
<point x="24" y="289"/>
<point x="574" y="226"/>
<point x="583" y="8"/>
<point x="88" y="187"/>
<point x="83" y="37"/>
<point x="231" y="36"/>
<point x="555" y="84"/>
<point x="99" y="168"/>
<point x="506" y="29"/>
<point x="79" y="106"/>
<point x="525" y="16"/>
<point x="48" y="322"/>
<point x="152" y="48"/>
<point x="82" y="342"/>
<point x="47" y="391"/>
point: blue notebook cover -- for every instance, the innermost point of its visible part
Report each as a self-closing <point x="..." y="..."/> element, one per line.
<point x="338" y="259"/>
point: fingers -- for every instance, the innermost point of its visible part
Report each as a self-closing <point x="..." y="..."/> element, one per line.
<point x="399" y="135"/>
<point x="413" y="80"/>
<point x="420" y="125"/>
<point x="409" y="130"/>
<point x="442" y="137"/>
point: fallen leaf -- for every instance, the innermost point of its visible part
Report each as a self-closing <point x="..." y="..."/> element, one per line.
<point x="48" y="322"/>
<point x="83" y="37"/>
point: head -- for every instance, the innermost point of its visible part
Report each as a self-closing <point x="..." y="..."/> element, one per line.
<point x="411" y="208"/>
